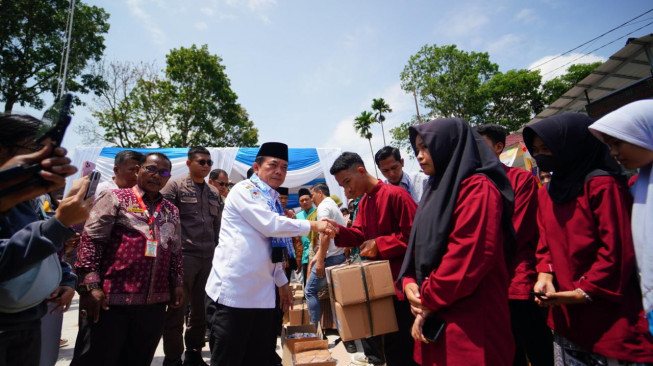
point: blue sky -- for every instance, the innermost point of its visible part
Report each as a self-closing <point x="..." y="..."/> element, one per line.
<point x="305" y="69"/>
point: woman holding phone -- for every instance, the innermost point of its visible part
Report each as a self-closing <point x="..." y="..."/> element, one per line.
<point x="585" y="256"/>
<point x="454" y="273"/>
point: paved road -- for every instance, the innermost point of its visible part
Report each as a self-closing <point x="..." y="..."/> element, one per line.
<point x="69" y="332"/>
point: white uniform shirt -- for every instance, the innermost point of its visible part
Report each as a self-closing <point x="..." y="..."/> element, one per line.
<point x="243" y="275"/>
<point x="414" y="184"/>
<point x="104" y="186"/>
<point x="328" y="209"/>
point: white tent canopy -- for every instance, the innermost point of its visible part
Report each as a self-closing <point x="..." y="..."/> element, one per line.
<point x="306" y="166"/>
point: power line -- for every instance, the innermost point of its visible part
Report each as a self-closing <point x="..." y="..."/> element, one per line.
<point x="596" y="49"/>
<point x="592" y="40"/>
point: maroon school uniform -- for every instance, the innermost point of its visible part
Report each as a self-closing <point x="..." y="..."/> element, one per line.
<point x="385" y="214"/>
<point x="586" y="243"/>
<point x="522" y="270"/>
<point x="469" y="289"/>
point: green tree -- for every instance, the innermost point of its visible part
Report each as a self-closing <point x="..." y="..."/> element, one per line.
<point x="363" y="125"/>
<point x="400" y="137"/>
<point x="193" y="104"/>
<point x="380" y="106"/>
<point x="513" y="97"/>
<point x="205" y="109"/>
<point x="447" y="80"/>
<point x="31" y="41"/>
<point x="130" y="107"/>
<point x="553" y="89"/>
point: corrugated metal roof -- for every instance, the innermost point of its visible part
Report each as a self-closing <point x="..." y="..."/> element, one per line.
<point x="625" y="67"/>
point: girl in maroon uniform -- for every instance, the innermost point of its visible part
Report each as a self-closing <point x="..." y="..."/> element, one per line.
<point x="585" y="255"/>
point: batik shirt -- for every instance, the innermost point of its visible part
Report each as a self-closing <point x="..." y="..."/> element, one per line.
<point x="112" y="249"/>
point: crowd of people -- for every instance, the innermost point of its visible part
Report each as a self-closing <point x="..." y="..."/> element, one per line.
<point x="493" y="265"/>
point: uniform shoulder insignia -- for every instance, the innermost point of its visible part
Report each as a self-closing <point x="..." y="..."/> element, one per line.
<point x="255" y="193"/>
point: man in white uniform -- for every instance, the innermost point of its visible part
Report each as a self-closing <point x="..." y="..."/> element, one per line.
<point x="247" y="265"/>
<point x="327" y="254"/>
<point x="391" y="165"/>
<point x="125" y="168"/>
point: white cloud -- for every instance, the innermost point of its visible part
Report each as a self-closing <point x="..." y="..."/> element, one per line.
<point x="465" y="22"/>
<point x="345" y="136"/>
<point x="201" y="26"/>
<point x="260" y="5"/>
<point x="156" y="33"/>
<point x="207" y="11"/>
<point x="551" y="68"/>
<point x="259" y="8"/>
<point x="506" y="45"/>
<point x="526" y="16"/>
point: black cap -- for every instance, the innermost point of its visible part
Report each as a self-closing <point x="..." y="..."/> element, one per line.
<point x="304" y="192"/>
<point x="274" y="149"/>
<point x="283" y="191"/>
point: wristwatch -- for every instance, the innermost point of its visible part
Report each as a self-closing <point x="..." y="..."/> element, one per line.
<point x="84" y="288"/>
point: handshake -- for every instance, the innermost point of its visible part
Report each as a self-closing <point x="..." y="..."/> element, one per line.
<point x="325" y="226"/>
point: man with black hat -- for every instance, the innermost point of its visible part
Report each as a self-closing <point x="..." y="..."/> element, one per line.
<point x="254" y="237"/>
<point x="283" y="199"/>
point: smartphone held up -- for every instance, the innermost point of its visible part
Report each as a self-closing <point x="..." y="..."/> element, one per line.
<point x="55" y="121"/>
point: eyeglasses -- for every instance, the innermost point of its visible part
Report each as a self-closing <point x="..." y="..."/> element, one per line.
<point x="203" y="162"/>
<point x="153" y="170"/>
<point x="222" y="184"/>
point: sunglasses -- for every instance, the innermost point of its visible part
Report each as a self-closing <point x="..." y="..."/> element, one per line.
<point x="222" y="184"/>
<point x="203" y="162"/>
<point x="153" y="170"/>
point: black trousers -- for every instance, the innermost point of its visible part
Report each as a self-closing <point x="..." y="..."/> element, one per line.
<point x="395" y="349"/>
<point x="20" y="347"/>
<point x="242" y="337"/>
<point x="533" y="338"/>
<point x="196" y="272"/>
<point x="124" y="335"/>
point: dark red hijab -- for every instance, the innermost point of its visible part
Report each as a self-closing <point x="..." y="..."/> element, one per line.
<point x="458" y="152"/>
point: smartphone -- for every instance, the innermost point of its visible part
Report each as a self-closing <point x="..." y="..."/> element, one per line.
<point x="92" y="187"/>
<point x="55" y="121"/>
<point x="87" y="168"/>
<point x="539" y="295"/>
<point x="432" y="327"/>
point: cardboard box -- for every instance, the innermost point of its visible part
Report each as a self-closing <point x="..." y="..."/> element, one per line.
<point x="298" y="315"/>
<point x="298" y="295"/>
<point x="347" y="282"/>
<point x="353" y="320"/>
<point x="294" y="286"/>
<point x="312" y="353"/>
<point x="288" y="343"/>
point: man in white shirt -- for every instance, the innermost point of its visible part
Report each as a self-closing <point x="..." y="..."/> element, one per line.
<point x="247" y="264"/>
<point x="327" y="254"/>
<point x="125" y="168"/>
<point x="391" y="164"/>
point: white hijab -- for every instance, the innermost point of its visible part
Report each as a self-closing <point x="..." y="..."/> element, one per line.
<point x="633" y="123"/>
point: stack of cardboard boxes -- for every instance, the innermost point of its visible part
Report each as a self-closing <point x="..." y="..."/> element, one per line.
<point x="362" y="298"/>
<point x="298" y="315"/>
<point x="304" y="345"/>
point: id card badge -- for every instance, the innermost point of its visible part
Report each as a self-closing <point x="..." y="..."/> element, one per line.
<point x="151" y="247"/>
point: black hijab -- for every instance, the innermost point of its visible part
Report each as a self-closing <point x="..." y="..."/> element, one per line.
<point x="577" y="154"/>
<point x="458" y="152"/>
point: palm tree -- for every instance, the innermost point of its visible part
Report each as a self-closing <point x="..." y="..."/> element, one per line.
<point x="380" y="106"/>
<point x="362" y="125"/>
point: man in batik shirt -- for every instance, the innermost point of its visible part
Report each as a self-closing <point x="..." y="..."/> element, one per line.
<point x="130" y="269"/>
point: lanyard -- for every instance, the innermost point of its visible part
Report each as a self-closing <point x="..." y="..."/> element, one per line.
<point x="152" y="217"/>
